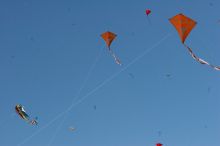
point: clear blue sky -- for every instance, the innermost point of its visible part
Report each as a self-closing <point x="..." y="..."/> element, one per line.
<point x="48" y="46"/>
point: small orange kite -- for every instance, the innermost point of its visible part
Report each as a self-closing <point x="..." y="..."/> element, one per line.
<point x="184" y="26"/>
<point x="108" y="38"/>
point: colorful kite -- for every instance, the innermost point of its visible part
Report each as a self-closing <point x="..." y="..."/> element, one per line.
<point x="22" y="113"/>
<point x="184" y="25"/>
<point x="108" y="38"/>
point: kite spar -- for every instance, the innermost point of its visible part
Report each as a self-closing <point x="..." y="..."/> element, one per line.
<point x="184" y="26"/>
<point x="108" y="38"/>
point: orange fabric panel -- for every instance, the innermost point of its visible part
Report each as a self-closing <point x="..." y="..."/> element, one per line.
<point x="108" y="37"/>
<point x="183" y="25"/>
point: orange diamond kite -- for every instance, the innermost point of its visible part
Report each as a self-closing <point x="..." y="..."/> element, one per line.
<point x="108" y="37"/>
<point x="183" y="25"/>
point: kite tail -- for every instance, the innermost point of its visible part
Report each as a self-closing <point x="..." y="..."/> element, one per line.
<point x="148" y="19"/>
<point x="117" y="60"/>
<point x="201" y="61"/>
<point x="33" y="121"/>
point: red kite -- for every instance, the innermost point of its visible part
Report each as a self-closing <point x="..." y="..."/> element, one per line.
<point x="159" y="144"/>
<point x="184" y="26"/>
<point x="108" y="38"/>
<point x="148" y="11"/>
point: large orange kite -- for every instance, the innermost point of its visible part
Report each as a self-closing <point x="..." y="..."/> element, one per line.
<point x="184" y="25"/>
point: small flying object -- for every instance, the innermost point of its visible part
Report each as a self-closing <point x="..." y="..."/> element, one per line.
<point x="72" y="128"/>
<point x="22" y="113"/>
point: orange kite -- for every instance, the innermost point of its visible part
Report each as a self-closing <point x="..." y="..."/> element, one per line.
<point x="108" y="38"/>
<point x="184" y="26"/>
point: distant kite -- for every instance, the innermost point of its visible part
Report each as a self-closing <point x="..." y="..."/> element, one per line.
<point x="168" y="75"/>
<point x="34" y="121"/>
<point x="184" y="25"/>
<point x="108" y="38"/>
<point x="131" y="75"/>
<point x="159" y="144"/>
<point x="22" y="113"/>
<point x="72" y="128"/>
<point x="148" y="11"/>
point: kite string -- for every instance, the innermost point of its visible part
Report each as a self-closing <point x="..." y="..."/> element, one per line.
<point x="87" y="76"/>
<point x="62" y="113"/>
<point x="57" y="130"/>
<point x="148" y="19"/>
<point x="42" y="128"/>
<point x="96" y="88"/>
<point x="76" y="97"/>
<point x="117" y="73"/>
